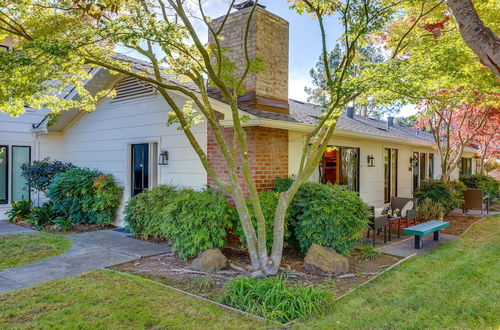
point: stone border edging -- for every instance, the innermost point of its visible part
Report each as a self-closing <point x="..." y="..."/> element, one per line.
<point x="232" y="309"/>
<point x="289" y="324"/>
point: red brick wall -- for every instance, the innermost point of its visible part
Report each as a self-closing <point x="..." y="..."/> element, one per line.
<point x="268" y="155"/>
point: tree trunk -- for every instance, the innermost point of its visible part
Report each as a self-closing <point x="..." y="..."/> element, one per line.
<point x="484" y="42"/>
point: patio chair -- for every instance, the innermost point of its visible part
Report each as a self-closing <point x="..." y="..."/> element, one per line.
<point x="411" y="215"/>
<point x="473" y="200"/>
<point x="377" y="223"/>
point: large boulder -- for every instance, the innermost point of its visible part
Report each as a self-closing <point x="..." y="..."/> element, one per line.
<point x="325" y="261"/>
<point x="211" y="260"/>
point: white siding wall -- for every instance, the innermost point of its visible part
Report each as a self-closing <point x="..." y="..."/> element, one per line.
<point x="17" y="131"/>
<point x="371" y="178"/>
<point x="101" y="140"/>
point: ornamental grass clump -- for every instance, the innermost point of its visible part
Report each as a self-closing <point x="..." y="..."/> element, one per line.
<point x="273" y="299"/>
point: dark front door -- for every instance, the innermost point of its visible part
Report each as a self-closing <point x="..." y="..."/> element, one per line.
<point x="140" y="168"/>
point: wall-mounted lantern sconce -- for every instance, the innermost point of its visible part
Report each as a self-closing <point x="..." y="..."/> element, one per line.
<point x="370" y="160"/>
<point x="413" y="161"/>
<point x="163" y="159"/>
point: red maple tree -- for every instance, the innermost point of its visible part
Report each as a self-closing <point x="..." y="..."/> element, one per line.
<point x="456" y="126"/>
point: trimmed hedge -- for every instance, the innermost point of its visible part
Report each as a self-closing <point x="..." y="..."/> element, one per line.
<point x="191" y="220"/>
<point x="85" y="196"/>
<point x="328" y="215"/>
<point x="144" y="212"/>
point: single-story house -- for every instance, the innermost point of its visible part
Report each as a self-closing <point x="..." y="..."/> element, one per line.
<point x="126" y="135"/>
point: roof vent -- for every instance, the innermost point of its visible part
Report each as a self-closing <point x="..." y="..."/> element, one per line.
<point x="131" y="87"/>
<point x="350" y="112"/>
<point x="247" y="4"/>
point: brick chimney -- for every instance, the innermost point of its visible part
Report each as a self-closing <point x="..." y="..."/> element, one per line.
<point x="267" y="39"/>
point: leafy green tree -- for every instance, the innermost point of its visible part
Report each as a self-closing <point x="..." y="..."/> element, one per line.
<point x="59" y="41"/>
<point x="363" y="105"/>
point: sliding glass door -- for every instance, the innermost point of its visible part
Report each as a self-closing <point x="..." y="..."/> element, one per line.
<point x="4" y="174"/>
<point x="390" y="173"/>
<point x="20" y="189"/>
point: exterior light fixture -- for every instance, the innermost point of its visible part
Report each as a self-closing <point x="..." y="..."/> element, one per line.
<point x="163" y="159"/>
<point x="413" y="161"/>
<point x="370" y="160"/>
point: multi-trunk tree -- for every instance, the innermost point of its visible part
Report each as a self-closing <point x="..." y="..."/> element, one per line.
<point x="58" y="41"/>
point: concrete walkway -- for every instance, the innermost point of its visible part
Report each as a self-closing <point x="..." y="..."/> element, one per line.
<point x="406" y="246"/>
<point x="7" y="228"/>
<point x="90" y="251"/>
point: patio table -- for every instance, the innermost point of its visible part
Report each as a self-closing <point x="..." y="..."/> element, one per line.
<point x="391" y="220"/>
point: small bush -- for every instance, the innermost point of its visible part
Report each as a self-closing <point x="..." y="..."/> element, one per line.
<point x="439" y="192"/>
<point x="368" y="252"/>
<point x="268" y="201"/>
<point x="44" y="215"/>
<point x="40" y="173"/>
<point x="282" y="184"/>
<point x="273" y="299"/>
<point x="328" y="215"/>
<point x="19" y="210"/>
<point x="85" y="196"/>
<point x="458" y="188"/>
<point x="144" y="212"/>
<point x="489" y="185"/>
<point x="429" y="210"/>
<point x="197" y="220"/>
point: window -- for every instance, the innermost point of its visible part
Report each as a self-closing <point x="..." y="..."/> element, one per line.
<point x="4" y="172"/>
<point x="415" y="164"/>
<point x="422" y="166"/>
<point x="340" y="165"/>
<point x="390" y="173"/>
<point x="20" y="188"/>
<point x="465" y="166"/>
<point x="431" y="166"/>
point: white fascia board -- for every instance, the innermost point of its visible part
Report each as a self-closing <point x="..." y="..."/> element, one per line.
<point x="306" y="128"/>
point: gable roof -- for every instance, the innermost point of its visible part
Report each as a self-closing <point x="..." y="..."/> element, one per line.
<point x="305" y="114"/>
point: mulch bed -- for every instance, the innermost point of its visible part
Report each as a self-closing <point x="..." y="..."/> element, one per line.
<point x="171" y="270"/>
<point x="459" y="223"/>
<point x="82" y="228"/>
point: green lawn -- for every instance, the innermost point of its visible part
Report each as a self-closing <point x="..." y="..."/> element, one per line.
<point x="456" y="286"/>
<point x="104" y="299"/>
<point x="22" y="249"/>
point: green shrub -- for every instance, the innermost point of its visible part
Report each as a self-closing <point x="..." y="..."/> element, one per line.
<point x="369" y="252"/>
<point x="282" y="184"/>
<point x="489" y="185"/>
<point x="40" y="173"/>
<point x="458" y="188"/>
<point x="144" y="212"/>
<point x="328" y="215"/>
<point x="19" y="210"/>
<point x="439" y="192"/>
<point x="429" y="210"/>
<point x="273" y="299"/>
<point x="268" y="202"/>
<point x="44" y="215"/>
<point x="85" y="196"/>
<point x="197" y="220"/>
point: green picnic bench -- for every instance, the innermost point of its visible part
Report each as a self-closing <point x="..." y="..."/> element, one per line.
<point x="432" y="226"/>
